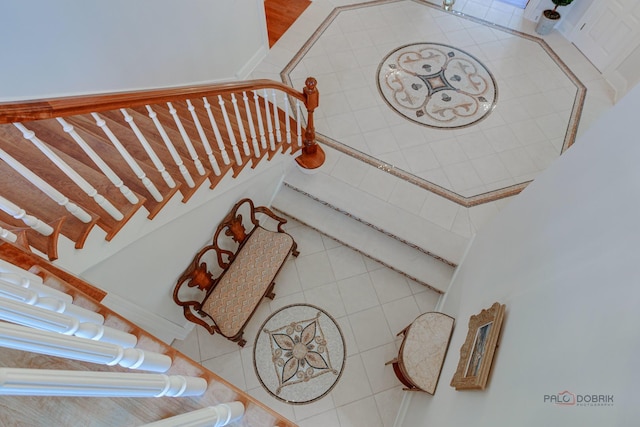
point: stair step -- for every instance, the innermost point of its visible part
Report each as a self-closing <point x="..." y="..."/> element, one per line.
<point x="50" y="131"/>
<point x="26" y="195"/>
<point x="48" y="245"/>
<point x="124" y="133"/>
<point x="25" y="152"/>
<point x="383" y="247"/>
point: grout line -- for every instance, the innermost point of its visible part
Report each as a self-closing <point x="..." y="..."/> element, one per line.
<point x="362" y="253"/>
<point x="375" y="227"/>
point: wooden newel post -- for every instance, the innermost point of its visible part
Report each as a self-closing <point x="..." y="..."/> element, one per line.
<point x="312" y="156"/>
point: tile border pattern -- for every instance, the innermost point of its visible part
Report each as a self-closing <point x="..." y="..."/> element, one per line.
<point x="490" y="196"/>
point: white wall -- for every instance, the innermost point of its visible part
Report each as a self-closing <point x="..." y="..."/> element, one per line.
<point x="65" y="47"/>
<point x="564" y="257"/>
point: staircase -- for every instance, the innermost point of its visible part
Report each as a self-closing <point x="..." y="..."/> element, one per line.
<point x="71" y="164"/>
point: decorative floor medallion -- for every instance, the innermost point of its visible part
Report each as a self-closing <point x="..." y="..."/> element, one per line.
<point x="299" y="354"/>
<point x="437" y="85"/>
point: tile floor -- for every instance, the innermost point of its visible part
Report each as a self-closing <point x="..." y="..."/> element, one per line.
<point x="432" y="209"/>
<point x="371" y="305"/>
<point x="371" y="302"/>
<point x="529" y="126"/>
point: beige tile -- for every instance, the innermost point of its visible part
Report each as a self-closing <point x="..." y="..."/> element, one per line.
<point x="353" y="385"/>
<point x="358" y="293"/>
<point x="381" y="376"/>
<point x="370" y="328"/>
<point x="362" y="413"/>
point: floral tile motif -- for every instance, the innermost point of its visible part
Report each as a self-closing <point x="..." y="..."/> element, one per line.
<point x="299" y="354"/>
<point x="437" y="85"/>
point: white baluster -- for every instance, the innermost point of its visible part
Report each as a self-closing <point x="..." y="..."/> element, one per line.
<point x="203" y="139"/>
<point x="243" y="134"/>
<point x="28" y="280"/>
<point x="46" y="188"/>
<point x="232" y="136"/>
<point x="40" y="318"/>
<point x="8" y="235"/>
<point x="216" y="132"/>
<point x="272" y="145"/>
<point x="186" y="139"/>
<point x="287" y="119"/>
<point x="276" y="115"/>
<point x="104" y="168"/>
<point x="172" y="150"/>
<point x="29" y="220"/>
<point x="49" y="382"/>
<point x="53" y="344"/>
<point x="252" y="129"/>
<point x="29" y="296"/>
<point x="150" y="152"/>
<point x="72" y="174"/>
<point x="211" y="416"/>
<point x="298" y="122"/>
<point x="263" y="139"/>
<point x="133" y="164"/>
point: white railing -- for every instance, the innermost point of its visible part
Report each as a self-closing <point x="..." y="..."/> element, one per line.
<point x="243" y="134"/>
<point x="46" y="188"/>
<point x="71" y="173"/>
<point x="298" y="121"/>
<point x="49" y="382"/>
<point x="172" y="150"/>
<point x="203" y="139"/>
<point x="133" y="165"/>
<point x="252" y="128"/>
<point x="43" y="324"/>
<point x="272" y="141"/>
<point x="263" y="139"/>
<point x="216" y="132"/>
<point x="186" y="139"/>
<point x="211" y="416"/>
<point x="150" y="152"/>
<point x="29" y="296"/>
<point x="275" y="115"/>
<point x="53" y="344"/>
<point x="97" y="160"/>
<point x="230" y="132"/>
<point x="31" y="221"/>
<point x="46" y="320"/>
<point x="8" y="235"/>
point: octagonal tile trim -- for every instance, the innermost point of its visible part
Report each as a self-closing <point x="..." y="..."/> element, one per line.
<point x="465" y="201"/>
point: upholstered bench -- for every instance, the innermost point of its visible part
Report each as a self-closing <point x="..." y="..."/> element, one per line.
<point x="247" y="264"/>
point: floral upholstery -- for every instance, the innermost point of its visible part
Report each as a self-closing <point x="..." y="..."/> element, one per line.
<point x="245" y="282"/>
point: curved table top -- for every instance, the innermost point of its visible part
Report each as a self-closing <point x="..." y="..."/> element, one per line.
<point x="423" y="349"/>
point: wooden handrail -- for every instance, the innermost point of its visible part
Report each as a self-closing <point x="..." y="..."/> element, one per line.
<point x="39" y="109"/>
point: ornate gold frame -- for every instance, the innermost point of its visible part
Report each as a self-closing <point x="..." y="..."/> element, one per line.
<point x="476" y="354"/>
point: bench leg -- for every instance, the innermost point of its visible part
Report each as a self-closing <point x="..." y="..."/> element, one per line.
<point x="270" y="293"/>
<point x="294" y="251"/>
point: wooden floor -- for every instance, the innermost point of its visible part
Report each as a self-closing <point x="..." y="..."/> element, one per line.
<point x="280" y="15"/>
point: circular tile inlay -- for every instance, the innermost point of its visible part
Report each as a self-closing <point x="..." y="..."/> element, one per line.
<point x="437" y="85"/>
<point x="299" y="353"/>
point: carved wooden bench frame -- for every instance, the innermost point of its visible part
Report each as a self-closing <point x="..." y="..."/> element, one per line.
<point x="199" y="275"/>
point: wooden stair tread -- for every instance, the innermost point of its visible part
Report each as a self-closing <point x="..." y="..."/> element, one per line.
<point x="20" y="191"/>
<point x="110" y="155"/>
<point x="123" y="131"/>
<point x="48" y="245"/>
<point x="24" y="151"/>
